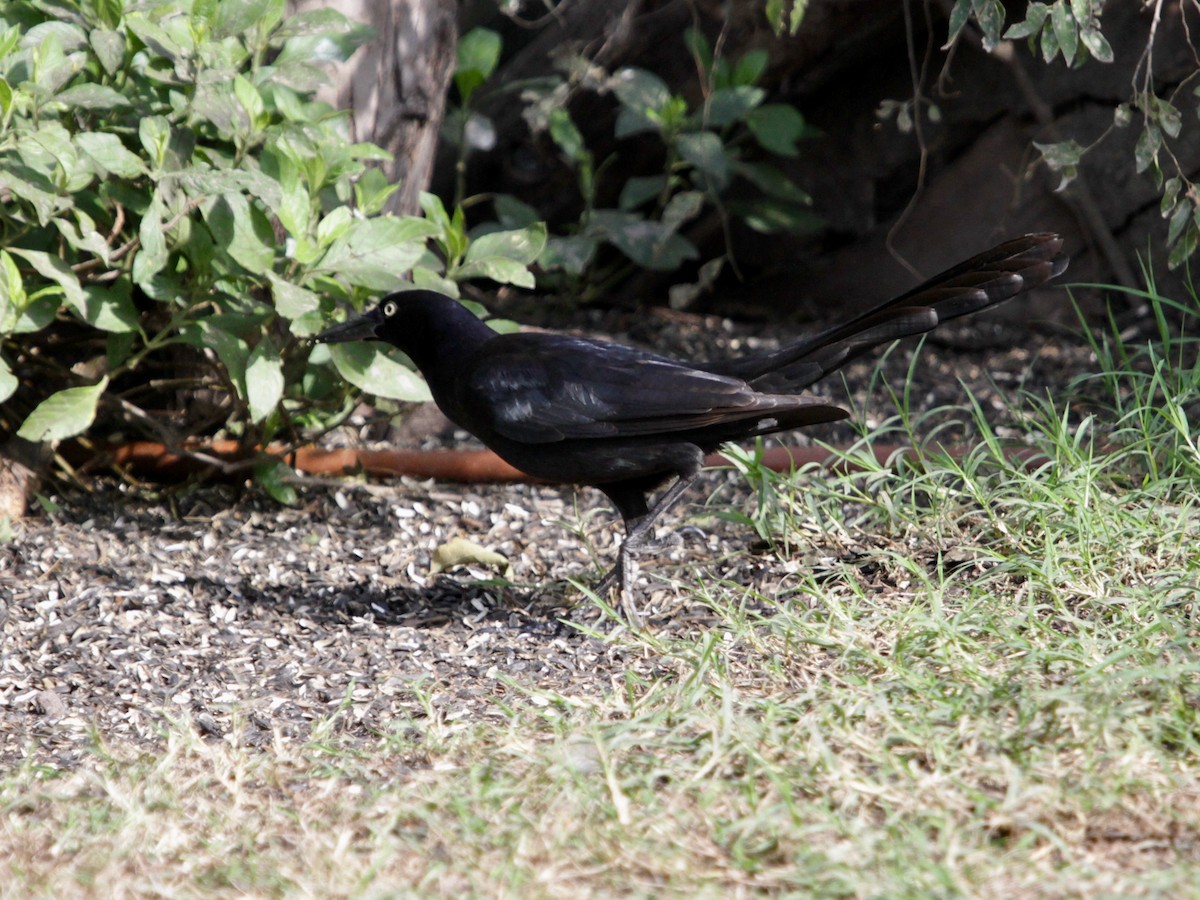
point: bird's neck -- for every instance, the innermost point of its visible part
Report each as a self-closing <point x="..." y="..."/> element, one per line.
<point x="445" y="340"/>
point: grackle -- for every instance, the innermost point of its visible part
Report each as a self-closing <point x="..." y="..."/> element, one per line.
<point x="579" y="411"/>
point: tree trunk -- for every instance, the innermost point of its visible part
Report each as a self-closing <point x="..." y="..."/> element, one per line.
<point x="395" y="85"/>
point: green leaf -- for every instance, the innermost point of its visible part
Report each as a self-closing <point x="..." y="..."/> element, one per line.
<point x="81" y="233"/>
<point x="264" y="379"/>
<point x="1050" y="46"/>
<point x="1096" y="43"/>
<point x="291" y="301"/>
<point x="649" y="244"/>
<point x="704" y="151"/>
<point x="155" y="135"/>
<point x="19" y="313"/>
<point x="799" y="8"/>
<point x="110" y="309"/>
<point x="435" y="210"/>
<point x="231" y="350"/>
<point x="680" y="296"/>
<point x="1183" y="250"/>
<point x="564" y="133"/>
<point x="368" y="366"/>
<point x="478" y="55"/>
<point x="639" y="90"/>
<point x="273" y="476"/>
<point x="295" y="207"/>
<point x="377" y="253"/>
<point x="1059" y="156"/>
<point x="9" y="38"/>
<point x="1170" y="195"/>
<point x="8" y="381"/>
<point x="372" y="190"/>
<point x="12" y="286"/>
<point x="1145" y="152"/>
<point x="91" y="96"/>
<point x="750" y="68"/>
<point x="67" y="36"/>
<point x="959" y="16"/>
<point x="698" y="45"/>
<point x="504" y="256"/>
<point x="109" y="47"/>
<point x="498" y="269"/>
<point x="729" y="105"/>
<point x="571" y="254"/>
<point x="777" y="127"/>
<point x="1035" y="16"/>
<point x="1181" y="217"/>
<point x="64" y="414"/>
<point x="250" y="182"/>
<point x="234" y="18"/>
<point x="250" y="101"/>
<point x="334" y="226"/>
<point x="1066" y="31"/>
<point x="1168" y="117"/>
<point x="106" y="150"/>
<point x="682" y="208"/>
<point x="521" y="245"/>
<point x="243" y="231"/>
<point x="154" y="36"/>
<point x="6" y="102"/>
<point x="771" y="215"/>
<point x="771" y="180"/>
<point x="49" y="144"/>
<point x="640" y="188"/>
<point x="54" y="269"/>
<point x="34" y="188"/>
<point x="514" y="213"/>
<point x="630" y="123"/>
<point x="151" y="257"/>
<point x="317" y="22"/>
<point x="990" y="16"/>
<point x="36" y="315"/>
<point x="430" y="280"/>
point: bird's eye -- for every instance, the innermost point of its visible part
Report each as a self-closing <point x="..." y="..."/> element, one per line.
<point x="389" y="308"/>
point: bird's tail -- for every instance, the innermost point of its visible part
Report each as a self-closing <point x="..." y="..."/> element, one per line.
<point x="980" y="282"/>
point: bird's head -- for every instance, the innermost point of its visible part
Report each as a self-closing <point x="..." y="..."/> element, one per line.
<point x="416" y="322"/>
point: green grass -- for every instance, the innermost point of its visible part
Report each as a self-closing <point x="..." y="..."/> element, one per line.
<point x="990" y="687"/>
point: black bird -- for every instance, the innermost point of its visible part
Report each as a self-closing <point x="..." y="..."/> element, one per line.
<point x="581" y="411"/>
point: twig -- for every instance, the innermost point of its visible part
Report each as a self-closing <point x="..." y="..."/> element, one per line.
<point x="918" y="84"/>
<point x="134" y="242"/>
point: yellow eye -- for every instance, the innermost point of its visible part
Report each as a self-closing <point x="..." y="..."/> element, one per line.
<point x="389" y="309"/>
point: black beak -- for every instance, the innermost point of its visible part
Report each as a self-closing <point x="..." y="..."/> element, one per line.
<point x="360" y="328"/>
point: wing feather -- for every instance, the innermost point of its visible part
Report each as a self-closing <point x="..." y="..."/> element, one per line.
<point x="543" y="388"/>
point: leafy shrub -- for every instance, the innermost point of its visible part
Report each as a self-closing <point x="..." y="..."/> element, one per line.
<point x="1071" y="29"/>
<point x="179" y="215"/>
<point x="707" y="157"/>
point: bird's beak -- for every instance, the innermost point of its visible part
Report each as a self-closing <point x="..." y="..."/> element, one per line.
<point x="360" y="328"/>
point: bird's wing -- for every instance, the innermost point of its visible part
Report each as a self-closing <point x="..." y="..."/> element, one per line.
<point x="542" y="388"/>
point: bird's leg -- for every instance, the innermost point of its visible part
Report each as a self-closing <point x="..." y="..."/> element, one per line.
<point x="638" y="534"/>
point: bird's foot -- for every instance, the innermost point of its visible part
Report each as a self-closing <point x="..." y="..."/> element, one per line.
<point x="628" y="577"/>
<point x="623" y="575"/>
